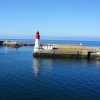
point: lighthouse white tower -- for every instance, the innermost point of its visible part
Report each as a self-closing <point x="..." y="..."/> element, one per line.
<point x="37" y="44"/>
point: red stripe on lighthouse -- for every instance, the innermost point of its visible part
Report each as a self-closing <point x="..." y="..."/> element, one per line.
<point x="37" y="35"/>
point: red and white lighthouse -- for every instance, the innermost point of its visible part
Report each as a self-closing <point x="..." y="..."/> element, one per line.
<point x="37" y="44"/>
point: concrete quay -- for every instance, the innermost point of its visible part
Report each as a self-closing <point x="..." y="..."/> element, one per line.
<point x="69" y="51"/>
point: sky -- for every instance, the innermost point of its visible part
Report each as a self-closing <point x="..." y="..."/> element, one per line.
<point x="54" y="19"/>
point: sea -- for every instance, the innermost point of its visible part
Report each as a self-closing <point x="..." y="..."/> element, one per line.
<point x="23" y="77"/>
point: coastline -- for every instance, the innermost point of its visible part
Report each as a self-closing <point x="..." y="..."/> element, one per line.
<point x="60" y="50"/>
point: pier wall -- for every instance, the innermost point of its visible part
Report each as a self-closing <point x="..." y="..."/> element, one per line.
<point x="62" y="54"/>
<point x="70" y="51"/>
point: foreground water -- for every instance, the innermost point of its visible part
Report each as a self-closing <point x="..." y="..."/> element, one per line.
<point x="23" y="77"/>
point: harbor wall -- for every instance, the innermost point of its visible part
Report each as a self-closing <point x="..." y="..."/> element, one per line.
<point x="69" y="51"/>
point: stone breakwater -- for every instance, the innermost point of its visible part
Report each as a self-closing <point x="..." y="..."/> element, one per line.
<point x="69" y="51"/>
<point x="15" y="44"/>
<point x="1" y="42"/>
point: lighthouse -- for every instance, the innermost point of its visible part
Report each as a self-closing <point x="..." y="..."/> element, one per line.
<point x="37" y="44"/>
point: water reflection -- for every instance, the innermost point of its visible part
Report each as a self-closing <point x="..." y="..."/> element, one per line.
<point x="5" y="49"/>
<point x="46" y="65"/>
<point x="36" y="67"/>
<point x="98" y="63"/>
<point x="91" y="63"/>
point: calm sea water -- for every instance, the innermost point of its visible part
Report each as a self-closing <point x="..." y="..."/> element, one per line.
<point x="23" y="77"/>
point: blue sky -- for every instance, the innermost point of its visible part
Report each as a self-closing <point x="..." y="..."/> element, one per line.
<point x="55" y="19"/>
